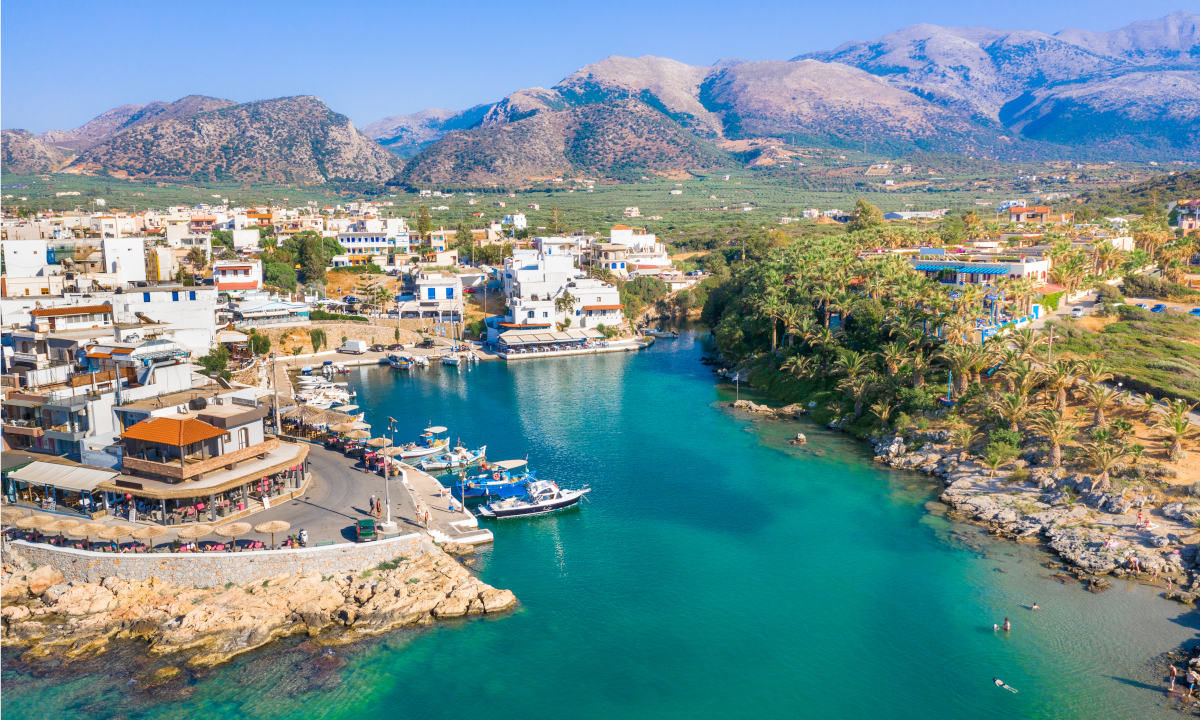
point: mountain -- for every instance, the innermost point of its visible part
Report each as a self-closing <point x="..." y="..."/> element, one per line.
<point x="620" y="139"/>
<point x="284" y="140"/>
<point x="406" y="135"/>
<point x="23" y="152"/>
<point x="108" y="124"/>
<point x="1146" y="196"/>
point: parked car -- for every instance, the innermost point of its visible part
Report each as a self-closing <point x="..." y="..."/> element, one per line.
<point x="354" y="347"/>
<point x="1077" y="311"/>
<point x="1158" y="308"/>
<point x="1143" y="306"/>
<point x="426" y="343"/>
<point x="395" y="346"/>
<point x="470" y="290"/>
<point x="1194" y="311"/>
<point x="365" y="530"/>
<point x="376" y="348"/>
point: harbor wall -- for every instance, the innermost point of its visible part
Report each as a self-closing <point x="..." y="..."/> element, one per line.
<point x="209" y="569"/>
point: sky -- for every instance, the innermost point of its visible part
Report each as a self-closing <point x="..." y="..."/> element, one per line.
<point x="62" y="63"/>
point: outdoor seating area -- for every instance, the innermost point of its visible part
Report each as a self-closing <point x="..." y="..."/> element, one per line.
<point x="118" y="537"/>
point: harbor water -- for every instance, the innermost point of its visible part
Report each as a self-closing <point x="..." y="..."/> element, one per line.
<point x="717" y="572"/>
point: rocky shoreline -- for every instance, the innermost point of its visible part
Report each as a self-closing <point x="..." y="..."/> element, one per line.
<point x="1096" y="534"/>
<point x="206" y="626"/>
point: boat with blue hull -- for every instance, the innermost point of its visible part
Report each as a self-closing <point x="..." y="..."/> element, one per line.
<point x="540" y="497"/>
<point x="459" y="457"/>
<point x="503" y="479"/>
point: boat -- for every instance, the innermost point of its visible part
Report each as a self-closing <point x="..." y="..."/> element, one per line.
<point x="459" y="457"/>
<point x="428" y="444"/>
<point x="541" y="497"/>
<point x="660" y="333"/>
<point x="399" y="362"/>
<point x="506" y="478"/>
<point x="452" y="359"/>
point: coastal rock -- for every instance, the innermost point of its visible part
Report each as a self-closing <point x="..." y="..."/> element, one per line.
<point x="800" y="439"/>
<point x="42" y="579"/>
<point x="452" y="607"/>
<point x="495" y="601"/>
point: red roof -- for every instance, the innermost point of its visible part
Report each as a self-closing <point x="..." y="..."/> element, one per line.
<point x="172" y="431"/>
<point x="244" y="285"/>
<point x="1031" y="209"/>
<point x="621" y="227"/>
<point x="77" y="310"/>
<point x="603" y="307"/>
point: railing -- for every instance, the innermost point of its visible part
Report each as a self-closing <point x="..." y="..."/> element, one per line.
<point x="191" y="469"/>
<point x="26" y="428"/>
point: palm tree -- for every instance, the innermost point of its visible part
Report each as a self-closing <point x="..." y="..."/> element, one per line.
<point x="1175" y="425"/>
<point x="1100" y="396"/>
<point x="1028" y="341"/>
<point x="1095" y="371"/>
<point x="1057" y="430"/>
<point x="800" y="366"/>
<point x="1102" y="458"/>
<point x="882" y="409"/>
<point x="918" y="365"/>
<point x="1012" y="407"/>
<point x="963" y="436"/>
<point x="1057" y="378"/>
<point x="893" y="355"/>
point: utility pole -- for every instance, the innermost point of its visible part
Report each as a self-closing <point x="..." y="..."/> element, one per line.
<point x="1050" y="346"/>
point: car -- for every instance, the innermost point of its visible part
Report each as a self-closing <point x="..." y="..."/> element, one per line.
<point x="1143" y="306"/>
<point x="395" y="346"/>
<point x="365" y="530"/>
<point x="376" y="348"/>
<point x="1158" y="308"/>
<point x="426" y="343"/>
<point x="1077" y="311"/>
<point x="470" y="290"/>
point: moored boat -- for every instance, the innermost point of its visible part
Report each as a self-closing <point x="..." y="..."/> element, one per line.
<point x="459" y="457"/>
<point x="428" y="444"/>
<point x="506" y="478"/>
<point x="541" y="497"/>
<point x="660" y="333"/>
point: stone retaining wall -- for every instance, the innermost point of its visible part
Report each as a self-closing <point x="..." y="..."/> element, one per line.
<point x="217" y="568"/>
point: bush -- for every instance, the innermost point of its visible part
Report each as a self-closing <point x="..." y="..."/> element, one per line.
<point x="326" y="315"/>
<point x="1004" y="436"/>
<point x="1109" y="295"/>
<point x="1133" y="312"/>
<point x="1152" y="287"/>
<point x="1051" y="300"/>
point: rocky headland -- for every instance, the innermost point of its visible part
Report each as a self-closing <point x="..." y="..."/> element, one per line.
<point x="1097" y="534"/>
<point x="206" y="626"/>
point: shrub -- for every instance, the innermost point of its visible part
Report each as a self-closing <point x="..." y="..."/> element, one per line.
<point x="1005" y="436"/>
<point x="1109" y="295"/>
<point x="1133" y="312"/>
<point x="326" y="315"/>
<point x="1051" y="300"/>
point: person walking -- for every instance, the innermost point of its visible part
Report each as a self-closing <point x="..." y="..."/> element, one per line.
<point x="1174" y="674"/>
<point x="372" y="508"/>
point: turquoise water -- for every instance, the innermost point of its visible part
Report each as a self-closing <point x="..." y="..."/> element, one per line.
<point x="716" y="572"/>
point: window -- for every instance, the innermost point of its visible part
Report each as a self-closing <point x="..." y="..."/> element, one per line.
<point x="146" y="297"/>
<point x="191" y="294"/>
<point x="530" y="315"/>
<point x="449" y="293"/>
<point x="174" y="296"/>
<point x="243" y="437"/>
<point x="545" y="314"/>
<point x="431" y="293"/>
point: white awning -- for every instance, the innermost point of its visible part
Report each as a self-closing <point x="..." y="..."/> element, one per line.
<point x="64" y="477"/>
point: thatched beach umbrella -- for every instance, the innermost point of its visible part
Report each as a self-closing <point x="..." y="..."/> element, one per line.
<point x="149" y="533"/>
<point x="87" y="531"/>
<point x="271" y="527"/>
<point x="393" y="451"/>
<point x="233" y="530"/>
<point x="342" y="427"/>
<point x="191" y="532"/>
<point x="34" y="522"/>
<point x="116" y="532"/>
<point x="10" y="514"/>
<point x="358" y="434"/>
<point x="379" y="442"/>
<point x="60" y="526"/>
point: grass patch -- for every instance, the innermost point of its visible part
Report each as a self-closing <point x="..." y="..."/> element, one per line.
<point x="1157" y="353"/>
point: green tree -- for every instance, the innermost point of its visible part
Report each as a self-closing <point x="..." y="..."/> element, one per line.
<point x="557" y="225"/>
<point x="318" y="338"/>
<point x="865" y="217"/>
<point x="424" y="223"/>
<point x="259" y="344"/>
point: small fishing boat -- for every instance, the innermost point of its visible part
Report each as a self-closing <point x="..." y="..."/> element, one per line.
<point x="660" y="333"/>
<point x="453" y="360"/>
<point x="399" y="362"/>
<point x="506" y="478"/>
<point x="541" y="497"/>
<point x="419" y="361"/>
<point x="459" y="457"/>
<point x="428" y="444"/>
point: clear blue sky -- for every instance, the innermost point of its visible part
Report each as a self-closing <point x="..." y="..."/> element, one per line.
<point x="65" y="62"/>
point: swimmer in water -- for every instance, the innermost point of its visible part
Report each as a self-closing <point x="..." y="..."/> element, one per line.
<point x="1007" y="625"/>
<point x="1035" y="607"/>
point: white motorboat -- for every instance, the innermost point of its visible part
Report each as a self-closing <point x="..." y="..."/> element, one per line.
<point x="430" y="443"/>
<point x="541" y="497"/>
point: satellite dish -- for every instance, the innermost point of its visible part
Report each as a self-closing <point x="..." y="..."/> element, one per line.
<point x="101" y="202"/>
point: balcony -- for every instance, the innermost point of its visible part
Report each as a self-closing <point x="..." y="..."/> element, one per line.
<point x="26" y="428"/>
<point x="66" y="433"/>
<point x="38" y="361"/>
<point x="194" y="467"/>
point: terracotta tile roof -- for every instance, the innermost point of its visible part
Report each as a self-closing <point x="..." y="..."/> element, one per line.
<point x="603" y="307"/>
<point x="621" y="227"/>
<point x="1031" y="209"/>
<point x="241" y="285"/>
<point x="77" y="310"/>
<point x="172" y="431"/>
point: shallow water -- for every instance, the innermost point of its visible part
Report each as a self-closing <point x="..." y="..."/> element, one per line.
<point x="716" y="572"/>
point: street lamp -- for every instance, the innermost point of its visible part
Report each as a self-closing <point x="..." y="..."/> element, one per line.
<point x="387" y="525"/>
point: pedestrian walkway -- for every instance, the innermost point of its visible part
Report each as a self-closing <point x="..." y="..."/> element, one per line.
<point x="423" y="491"/>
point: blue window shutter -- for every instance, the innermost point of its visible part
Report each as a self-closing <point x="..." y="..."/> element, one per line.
<point x="174" y="296"/>
<point x="191" y="294"/>
<point x="145" y="297"/>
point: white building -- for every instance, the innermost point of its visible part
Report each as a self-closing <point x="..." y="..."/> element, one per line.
<point x="534" y="281"/>
<point x="125" y="257"/>
<point x="246" y="239"/>
<point x="25" y="258"/>
<point x="517" y="220"/>
<point x="237" y="275"/>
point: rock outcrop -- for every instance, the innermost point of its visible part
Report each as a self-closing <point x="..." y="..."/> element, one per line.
<point x="212" y="625"/>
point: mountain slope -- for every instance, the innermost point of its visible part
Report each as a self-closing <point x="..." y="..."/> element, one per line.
<point x="406" y="135"/>
<point x="296" y="139"/>
<point x="108" y="124"/>
<point x="620" y="139"/>
<point x="23" y="152"/>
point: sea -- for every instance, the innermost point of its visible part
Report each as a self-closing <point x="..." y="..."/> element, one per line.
<point x="717" y="571"/>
